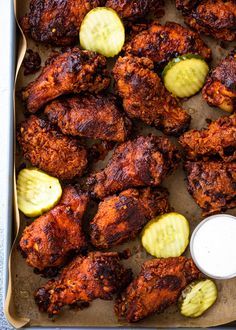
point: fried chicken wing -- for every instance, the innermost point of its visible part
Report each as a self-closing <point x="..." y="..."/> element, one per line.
<point x="100" y="275"/>
<point x="161" y="43"/>
<point x="219" y="139"/>
<point x="74" y="71"/>
<point x="45" y="147"/>
<point x="93" y="116"/>
<point x="47" y="242"/>
<point x="158" y="286"/>
<point x="56" y="22"/>
<point x="216" y="18"/>
<point x="145" y="97"/>
<point x="212" y="184"/>
<point x="120" y="218"/>
<point x="145" y="161"/>
<point x="220" y="87"/>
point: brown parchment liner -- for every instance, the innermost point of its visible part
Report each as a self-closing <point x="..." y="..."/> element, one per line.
<point x="20" y="308"/>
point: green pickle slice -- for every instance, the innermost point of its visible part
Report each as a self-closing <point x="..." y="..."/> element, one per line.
<point x="102" y="31"/>
<point x="197" y="297"/>
<point x="37" y="192"/>
<point x="166" y="236"/>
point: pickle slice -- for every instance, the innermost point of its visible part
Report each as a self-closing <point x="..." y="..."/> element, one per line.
<point x="197" y="297"/>
<point x="166" y="236"/>
<point x="37" y="192"/>
<point x="102" y="31"/>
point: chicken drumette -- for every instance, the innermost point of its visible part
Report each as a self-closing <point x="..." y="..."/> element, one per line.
<point x="145" y="97"/>
<point x="158" y="285"/>
<point x="48" y="241"/>
<point x="100" y="275"/>
<point x="145" y="161"/>
<point x="120" y="218"/>
<point x="74" y="71"/>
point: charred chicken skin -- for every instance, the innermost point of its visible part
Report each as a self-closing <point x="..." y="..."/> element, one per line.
<point x="120" y="218"/>
<point x="145" y="161"/>
<point x="47" y="242"/>
<point x="220" y="87"/>
<point x="218" y="140"/>
<point x="161" y="43"/>
<point x="212" y="184"/>
<point x="158" y="286"/>
<point x="46" y="148"/>
<point x="145" y="97"/>
<point x="74" y="71"/>
<point x="92" y="116"/>
<point x="216" y="18"/>
<point x="100" y="275"/>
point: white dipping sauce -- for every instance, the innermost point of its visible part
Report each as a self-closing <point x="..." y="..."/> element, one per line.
<point x="213" y="246"/>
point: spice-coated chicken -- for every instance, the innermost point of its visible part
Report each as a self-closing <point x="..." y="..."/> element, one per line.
<point x="216" y="18"/>
<point x="93" y="116"/>
<point x="145" y="161"/>
<point x="212" y="184"/>
<point x="145" y="97"/>
<point x="56" y="22"/>
<point x="218" y="140"/>
<point x="74" y="71"/>
<point x="100" y="275"/>
<point x="121" y="217"/>
<point x="220" y="87"/>
<point x="158" y="286"/>
<point x="161" y="43"/>
<point x="47" y="242"/>
<point x="46" y="148"/>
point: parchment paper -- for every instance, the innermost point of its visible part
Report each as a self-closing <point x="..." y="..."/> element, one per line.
<point x="20" y="308"/>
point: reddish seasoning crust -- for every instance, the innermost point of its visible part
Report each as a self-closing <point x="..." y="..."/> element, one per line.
<point x="157" y="286"/>
<point x="46" y="148"/>
<point x="99" y="275"/>
<point x="31" y="62"/>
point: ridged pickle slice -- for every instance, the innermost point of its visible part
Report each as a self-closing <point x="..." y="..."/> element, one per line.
<point x="37" y="192"/>
<point x="197" y="297"/>
<point x="102" y="31"/>
<point x="166" y="236"/>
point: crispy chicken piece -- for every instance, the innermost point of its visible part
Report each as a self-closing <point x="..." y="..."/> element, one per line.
<point x="49" y="240"/>
<point x="216" y="18"/>
<point x="56" y="22"/>
<point x="158" y="286"/>
<point x="212" y="184"/>
<point x="145" y="97"/>
<point x="93" y="116"/>
<point x="219" y="139"/>
<point x="100" y="275"/>
<point x="120" y="218"/>
<point x="74" y="71"/>
<point x="161" y="43"/>
<point x="145" y="161"/>
<point x="45" y="147"/>
<point x="220" y="87"/>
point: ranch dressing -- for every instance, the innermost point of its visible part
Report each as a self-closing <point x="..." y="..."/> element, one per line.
<point x="213" y="246"/>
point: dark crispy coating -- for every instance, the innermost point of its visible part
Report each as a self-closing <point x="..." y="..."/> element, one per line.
<point x="100" y="275"/>
<point x="216" y="18"/>
<point x="93" y="116"/>
<point x="120" y="218"/>
<point x="220" y="87"/>
<point x="161" y="43"/>
<point x="56" y="22"/>
<point x="47" y="242"/>
<point x="45" y="147"/>
<point x="158" y="286"/>
<point x="145" y="161"/>
<point x="145" y="97"/>
<point x="219" y="139"/>
<point x="212" y="184"/>
<point x="74" y="71"/>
